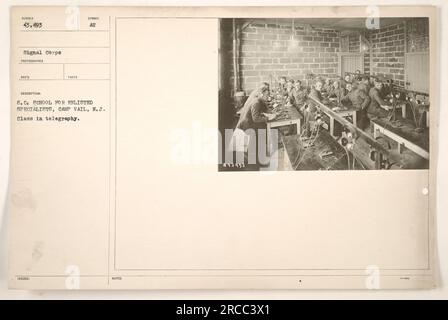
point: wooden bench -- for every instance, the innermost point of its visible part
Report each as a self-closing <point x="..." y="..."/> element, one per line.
<point x="416" y="143"/>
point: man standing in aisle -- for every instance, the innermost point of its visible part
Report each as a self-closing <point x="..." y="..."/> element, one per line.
<point x="360" y="100"/>
<point x="364" y="84"/>
<point x="377" y="104"/>
<point x="300" y="94"/>
<point x="337" y="91"/>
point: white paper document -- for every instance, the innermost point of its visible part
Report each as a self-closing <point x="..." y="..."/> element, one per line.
<point x="223" y="148"/>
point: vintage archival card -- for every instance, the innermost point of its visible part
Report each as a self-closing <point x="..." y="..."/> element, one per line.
<point x="225" y="148"/>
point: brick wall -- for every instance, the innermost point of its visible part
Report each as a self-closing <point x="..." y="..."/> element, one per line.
<point x="367" y="62"/>
<point x="353" y="43"/>
<point x="388" y="50"/>
<point x="269" y="50"/>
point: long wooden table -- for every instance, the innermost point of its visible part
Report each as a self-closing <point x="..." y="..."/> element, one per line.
<point x="403" y="107"/>
<point x="294" y="117"/>
<point x="358" y="133"/>
<point x="347" y="111"/>
<point x="312" y="159"/>
<point x="404" y="136"/>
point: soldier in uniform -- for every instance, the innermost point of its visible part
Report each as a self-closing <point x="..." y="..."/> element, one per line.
<point x="281" y="88"/>
<point x="337" y="91"/>
<point x="364" y="84"/>
<point x="256" y="92"/>
<point x="311" y="110"/>
<point x="299" y="94"/>
<point x="376" y="101"/>
<point x="254" y="115"/>
<point x="254" y="112"/>
<point x="360" y="100"/>
<point x="327" y="86"/>
<point x="387" y="88"/>
<point x="316" y="93"/>
<point x="290" y="91"/>
<point x="347" y="79"/>
<point x="372" y="80"/>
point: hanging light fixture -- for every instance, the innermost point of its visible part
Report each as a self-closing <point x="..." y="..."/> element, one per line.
<point x="276" y="44"/>
<point x="292" y="43"/>
<point x="365" y="44"/>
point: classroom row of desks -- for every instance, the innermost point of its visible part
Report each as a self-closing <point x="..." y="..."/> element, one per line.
<point x="327" y="153"/>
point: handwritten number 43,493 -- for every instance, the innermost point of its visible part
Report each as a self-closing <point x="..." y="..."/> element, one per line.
<point x="33" y="25"/>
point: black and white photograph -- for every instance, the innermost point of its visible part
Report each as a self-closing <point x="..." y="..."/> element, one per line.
<point x="301" y="156"/>
<point x="324" y="94"/>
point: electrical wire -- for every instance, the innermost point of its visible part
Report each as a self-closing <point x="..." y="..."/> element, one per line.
<point x="312" y="143"/>
<point x="360" y="163"/>
<point x="348" y="159"/>
<point x="301" y="154"/>
<point x="353" y="163"/>
<point x="303" y="130"/>
<point x="413" y="113"/>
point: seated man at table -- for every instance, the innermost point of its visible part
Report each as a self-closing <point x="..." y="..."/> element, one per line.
<point x="256" y="92"/>
<point x="327" y="86"/>
<point x="299" y="94"/>
<point x="254" y="112"/>
<point x="311" y="109"/>
<point x="290" y="92"/>
<point x="337" y="91"/>
<point x="281" y="86"/>
<point x="364" y="84"/>
<point x="377" y="104"/>
<point x="360" y="100"/>
<point x="316" y="93"/>
<point x="347" y="79"/>
<point x="387" y="88"/>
